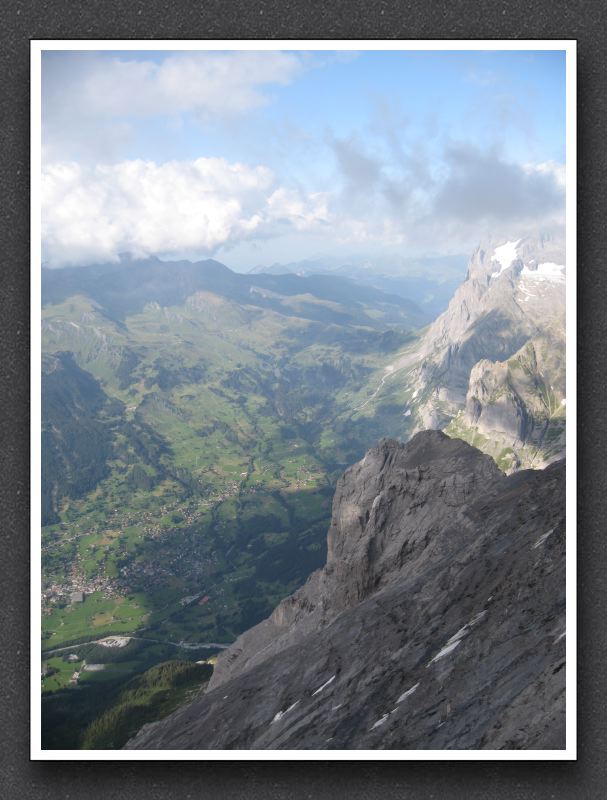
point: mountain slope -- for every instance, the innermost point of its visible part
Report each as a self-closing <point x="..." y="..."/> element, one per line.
<point x="127" y="288"/>
<point x="437" y="622"/>
<point x="77" y="432"/>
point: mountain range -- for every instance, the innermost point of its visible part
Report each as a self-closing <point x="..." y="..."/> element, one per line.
<point x="196" y="422"/>
<point x="429" y="281"/>
<point x="126" y="288"/>
<point x="491" y="368"/>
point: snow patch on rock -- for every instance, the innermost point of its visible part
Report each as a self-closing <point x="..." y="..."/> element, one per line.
<point x="548" y="271"/>
<point x="380" y="722"/>
<point x="408" y="693"/>
<point x="543" y="538"/>
<point x="449" y="648"/>
<point x="281" y="714"/>
<point x="504" y="256"/>
<point x="456" y="639"/>
<point x="324" y="686"/>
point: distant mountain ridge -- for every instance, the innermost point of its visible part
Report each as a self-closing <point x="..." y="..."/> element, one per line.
<point x="430" y="281"/>
<point x="125" y="288"/>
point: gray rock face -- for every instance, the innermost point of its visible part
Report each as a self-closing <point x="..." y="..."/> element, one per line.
<point x="516" y="409"/>
<point x="437" y="622"/>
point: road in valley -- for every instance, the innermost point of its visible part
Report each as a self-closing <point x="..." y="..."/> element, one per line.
<point x="401" y="363"/>
<point x="182" y="645"/>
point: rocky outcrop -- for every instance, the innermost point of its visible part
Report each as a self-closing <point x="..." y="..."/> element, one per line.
<point x="516" y="409"/>
<point x="437" y="622"/>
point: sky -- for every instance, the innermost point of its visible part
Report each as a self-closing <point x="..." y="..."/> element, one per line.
<point x="257" y="157"/>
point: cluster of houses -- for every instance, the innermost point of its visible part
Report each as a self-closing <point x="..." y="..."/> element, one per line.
<point x="145" y="574"/>
<point x="76" y="591"/>
<point x="192" y="513"/>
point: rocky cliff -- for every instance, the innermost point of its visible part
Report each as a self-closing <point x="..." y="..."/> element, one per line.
<point x="515" y="410"/>
<point x="438" y="621"/>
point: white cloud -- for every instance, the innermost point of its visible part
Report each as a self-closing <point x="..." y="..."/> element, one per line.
<point x="92" y="103"/>
<point x="95" y="213"/>
<point x="211" y="83"/>
<point x="297" y="209"/>
<point x="195" y="208"/>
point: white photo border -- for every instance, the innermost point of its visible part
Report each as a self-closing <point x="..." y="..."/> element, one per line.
<point x="569" y="46"/>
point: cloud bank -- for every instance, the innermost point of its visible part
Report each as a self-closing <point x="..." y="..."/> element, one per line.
<point x="481" y="186"/>
<point x="194" y="153"/>
<point x="344" y="160"/>
<point x="95" y="213"/>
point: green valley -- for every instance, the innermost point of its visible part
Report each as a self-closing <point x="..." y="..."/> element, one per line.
<point x="194" y="424"/>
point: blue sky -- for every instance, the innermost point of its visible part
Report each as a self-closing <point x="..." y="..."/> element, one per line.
<point x="275" y="156"/>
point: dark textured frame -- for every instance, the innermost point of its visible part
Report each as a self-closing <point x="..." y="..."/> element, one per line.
<point x="22" y="20"/>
